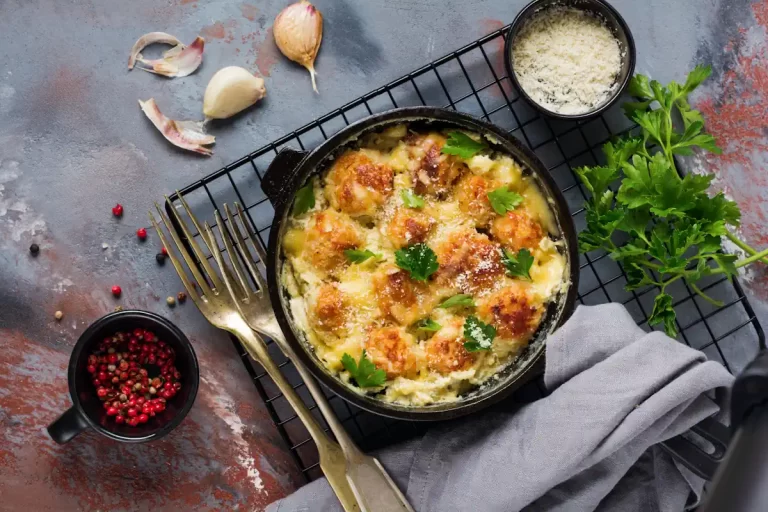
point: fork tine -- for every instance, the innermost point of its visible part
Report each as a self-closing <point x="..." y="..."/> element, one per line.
<point x="226" y="274"/>
<point x="191" y="291"/>
<point x="210" y="243"/>
<point x="213" y="276"/>
<point x="195" y="222"/>
<point x="253" y="267"/>
<point x="226" y="237"/>
<point x="188" y="259"/>
<point x="242" y="250"/>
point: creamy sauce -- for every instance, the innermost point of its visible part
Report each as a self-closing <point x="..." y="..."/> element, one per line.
<point x="345" y="308"/>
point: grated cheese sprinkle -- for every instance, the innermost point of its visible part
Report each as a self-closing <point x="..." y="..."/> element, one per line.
<point x="567" y="60"/>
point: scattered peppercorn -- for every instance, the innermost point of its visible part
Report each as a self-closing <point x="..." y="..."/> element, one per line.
<point x="117" y="210"/>
<point x="164" y="251"/>
<point x="170" y="301"/>
<point x="160" y="257"/>
<point x="117" y="291"/>
<point x="141" y="233"/>
<point x="58" y="315"/>
<point x="34" y="249"/>
<point x="181" y="297"/>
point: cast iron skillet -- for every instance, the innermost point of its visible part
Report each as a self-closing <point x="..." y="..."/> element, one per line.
<point x="290" y="170"/>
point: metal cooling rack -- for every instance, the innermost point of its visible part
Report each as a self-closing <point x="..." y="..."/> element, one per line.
<point x="473" y="80"/>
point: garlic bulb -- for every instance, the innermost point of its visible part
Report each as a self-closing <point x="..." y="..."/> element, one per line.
<point x="231" y="90"/>
<point x="298" y="31"/>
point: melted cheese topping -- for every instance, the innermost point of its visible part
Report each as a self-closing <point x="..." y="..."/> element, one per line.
<point x="345" y="307"/>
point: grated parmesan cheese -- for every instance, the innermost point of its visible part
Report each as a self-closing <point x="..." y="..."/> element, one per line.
<point x="567" y="60"/>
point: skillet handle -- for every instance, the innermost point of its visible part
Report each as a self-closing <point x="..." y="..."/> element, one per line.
<point x="277" y="181"/>
<point x="700" y="462"/>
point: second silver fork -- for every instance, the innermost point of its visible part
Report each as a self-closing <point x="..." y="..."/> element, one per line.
<point x="372" y="486"/>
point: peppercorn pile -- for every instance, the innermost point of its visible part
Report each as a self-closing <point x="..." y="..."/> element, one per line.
<point x="134" y="375"/>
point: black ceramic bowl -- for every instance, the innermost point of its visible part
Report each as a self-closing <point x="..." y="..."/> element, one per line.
<point x="613" y="21"/>
<point x="290" y="170"/>
<point x="87" y="410"/>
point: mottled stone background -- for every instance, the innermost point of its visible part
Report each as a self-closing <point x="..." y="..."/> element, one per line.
<point x="73" y="142"/>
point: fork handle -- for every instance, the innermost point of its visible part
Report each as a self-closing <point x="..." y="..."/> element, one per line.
<point x="332" y="460"/>
<point x="372" y="485"/>
<point x="374" y="488"/>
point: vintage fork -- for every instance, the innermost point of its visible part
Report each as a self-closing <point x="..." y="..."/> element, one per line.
<point x="374" y="488"/>
<point x="218" y="307"/>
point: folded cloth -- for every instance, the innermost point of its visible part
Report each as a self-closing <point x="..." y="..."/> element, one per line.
<point x="616" y="391"/>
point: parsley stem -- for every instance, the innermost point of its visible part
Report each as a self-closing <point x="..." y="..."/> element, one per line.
<point x="706" y="297"/>
<point x="649" y="264"/>
<point x="668" y="145"/>
<point x="755" y="257"/>
<point x="740" y="263"/>
<point x="667" y="283"/>
<point x="743" y="246"/>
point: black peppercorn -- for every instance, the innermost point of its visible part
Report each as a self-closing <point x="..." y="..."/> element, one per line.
<point x="34" y="249"/>
<point x="160" y="257"/>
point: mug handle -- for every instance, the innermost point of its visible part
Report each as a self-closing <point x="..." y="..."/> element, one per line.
<point x="69" y="424"/>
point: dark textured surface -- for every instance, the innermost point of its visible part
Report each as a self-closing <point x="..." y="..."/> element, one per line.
<point x="73" y="142"/>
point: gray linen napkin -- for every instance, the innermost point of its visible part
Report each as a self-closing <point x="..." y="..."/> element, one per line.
<point x="616" y="391"/>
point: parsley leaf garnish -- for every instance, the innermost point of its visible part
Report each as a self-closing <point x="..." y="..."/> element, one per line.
<point x="462" y="145"/>
<point x="663" y="313"/>
<point x="429" y="325"/>
<point x="359" y="256"/>
<point x="411" y="200"/>
<point x="458" y="300"/>
<point x="419" y="260"/>
<point x="669" y="225"/>
<point x="364" y="372"/>
<point x="305" y="199"/>
<point x="518" y="265"/>
<point x="479" y="335"/>
<point x="503" y="200"/>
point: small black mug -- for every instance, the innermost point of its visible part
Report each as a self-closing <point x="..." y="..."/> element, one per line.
<point x="87" y="410"/>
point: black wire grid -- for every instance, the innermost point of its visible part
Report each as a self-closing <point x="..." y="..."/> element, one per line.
<point x="473" y="80"/>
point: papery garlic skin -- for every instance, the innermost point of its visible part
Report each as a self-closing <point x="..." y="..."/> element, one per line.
<point x="152" y="38"/>
<point x="187" y="135"/>
<point x="178" y="61"/>
<point x="298" y="32"/>
<point x="231" y="90"/>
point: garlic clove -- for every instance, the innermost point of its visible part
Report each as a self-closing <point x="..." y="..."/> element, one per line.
<point x="148" y="39"/>
<point x="231" y="90"/>
<point x="187" y="135"/>
<point x="298" y="32"/>
<point x="176" y="62"/>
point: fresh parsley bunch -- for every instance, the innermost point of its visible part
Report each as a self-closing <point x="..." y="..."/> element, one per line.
<point x="673" y="227"/>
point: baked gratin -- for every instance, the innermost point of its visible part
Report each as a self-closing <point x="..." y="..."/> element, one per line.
<point x="420" y="264"/>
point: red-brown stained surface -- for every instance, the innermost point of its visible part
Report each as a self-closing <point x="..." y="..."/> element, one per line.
<point x="220" y="30"/>
<point x="218" y="458"/>
<point x="737" y="115"/>
<point x="249" y="11"/>
<point x="266" y="52"/>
